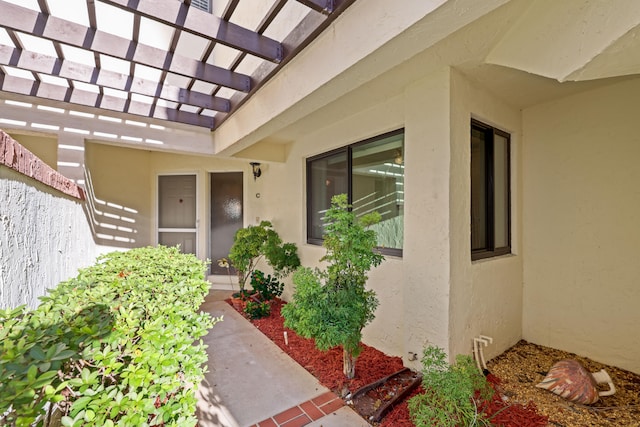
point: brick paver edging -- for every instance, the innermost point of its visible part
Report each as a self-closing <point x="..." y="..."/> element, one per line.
<point x="304" y="413"/>
<point x="16" y="157"/>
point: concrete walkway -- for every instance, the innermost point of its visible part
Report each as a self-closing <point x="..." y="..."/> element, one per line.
<point x="252" y="383"/>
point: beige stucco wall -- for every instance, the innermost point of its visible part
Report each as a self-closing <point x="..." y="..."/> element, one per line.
<point x="120" y="194"/>
<point x="417" y="291"/>
<point x="45" y="147"/>
<point x="283" y="200"/>
<point x="486" y="295"/>
<point x="44" y="239"/>
<point x="427" y="242"/>
<point x="128" y="177"/>
<point x="581" y="203"/>
<point x="170" y="164"/>
<point x="433" y="294"/>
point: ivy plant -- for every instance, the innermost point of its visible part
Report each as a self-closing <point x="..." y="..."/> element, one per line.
<point x="333" y="305"/>
<point x="119" y="344"/>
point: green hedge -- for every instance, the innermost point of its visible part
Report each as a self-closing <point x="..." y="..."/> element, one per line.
<point x="117" y="345"/>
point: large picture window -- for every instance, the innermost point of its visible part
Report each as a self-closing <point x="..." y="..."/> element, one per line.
<point x="490" y="192"/>
<point x="371" y="173"/>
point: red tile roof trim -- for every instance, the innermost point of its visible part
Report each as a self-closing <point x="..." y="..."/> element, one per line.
<point x="15" y="156"/>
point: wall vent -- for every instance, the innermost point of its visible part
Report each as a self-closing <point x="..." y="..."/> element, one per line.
<point x="202" y="5"/>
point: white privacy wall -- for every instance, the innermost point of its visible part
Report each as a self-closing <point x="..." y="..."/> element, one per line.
<point x="582" y="224"/>
<point x="44" y="239"/>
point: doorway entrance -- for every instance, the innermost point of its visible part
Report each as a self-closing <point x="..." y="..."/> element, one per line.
<point x="177" y="207"/>
<point x="226" y="215"/>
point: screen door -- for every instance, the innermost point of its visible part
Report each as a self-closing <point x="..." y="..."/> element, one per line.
<point x="177" y="223"/>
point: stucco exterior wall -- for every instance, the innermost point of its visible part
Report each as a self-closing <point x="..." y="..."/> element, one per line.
<point x="169" y="164"/>
<point x="486" y="295"/>
<point x="45" y="147"/>
<point x="120" y="191"/>
<point x="581" y="210"/>
<point x="433" y="294"/>
<point x="283" y="200"/>
<point x="44" y="238"/>
<point x="427" y="241"/>
<point x="128" y="177"/>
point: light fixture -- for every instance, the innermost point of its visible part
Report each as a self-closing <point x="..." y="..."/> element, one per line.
<point x="256" y="170"/>
<point x="398" y="157"/>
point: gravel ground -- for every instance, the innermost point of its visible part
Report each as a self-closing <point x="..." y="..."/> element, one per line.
<point x="524" y="365"/>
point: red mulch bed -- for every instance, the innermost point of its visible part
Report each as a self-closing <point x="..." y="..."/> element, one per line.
<point x="372" y="365"/>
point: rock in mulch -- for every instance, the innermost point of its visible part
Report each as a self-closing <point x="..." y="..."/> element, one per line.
<point x="524" y="365"/>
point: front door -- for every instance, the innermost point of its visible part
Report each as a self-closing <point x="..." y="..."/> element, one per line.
<point x="177" y="222"/>
<point x="226" y="215"/>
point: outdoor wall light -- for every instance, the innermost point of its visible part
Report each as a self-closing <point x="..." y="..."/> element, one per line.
<point x="398" y="157"/>
<point x="256" y="170"/>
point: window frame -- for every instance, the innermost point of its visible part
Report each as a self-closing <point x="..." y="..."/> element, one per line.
<point x="490" y="250"/>
<point x="348" y="149"/>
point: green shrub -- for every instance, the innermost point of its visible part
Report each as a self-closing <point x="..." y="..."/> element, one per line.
<point x="333" y="306"/>
<point x="119" y="344"/>
<point x="268" y="287"/>
<point x="448" y="400"/>
<point x="257" y="309"/>
<point x="253" y="243"/>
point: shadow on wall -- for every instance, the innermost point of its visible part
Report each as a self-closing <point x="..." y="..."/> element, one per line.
<point x="111" y="224"/>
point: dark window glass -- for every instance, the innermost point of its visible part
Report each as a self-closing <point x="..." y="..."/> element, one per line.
<point x="327" y="176"/>
<point x="371" y="173"/>
<point x="490" y="192"/>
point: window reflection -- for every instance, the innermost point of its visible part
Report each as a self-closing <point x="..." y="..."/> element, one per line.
<point x="372" y="174"/>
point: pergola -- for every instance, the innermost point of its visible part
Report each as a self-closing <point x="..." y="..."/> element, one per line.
<point x="183" y="61"/>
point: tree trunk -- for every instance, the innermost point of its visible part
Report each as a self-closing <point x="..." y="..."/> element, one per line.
<point x="348" y="364"/>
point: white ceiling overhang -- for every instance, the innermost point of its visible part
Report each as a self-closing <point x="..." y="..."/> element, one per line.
<point x="573" y="40"/>
<point x="523" y="51"/>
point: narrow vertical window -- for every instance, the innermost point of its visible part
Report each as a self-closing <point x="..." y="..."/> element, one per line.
<point x="490" y="192"/>
<point x="326" y="176"/>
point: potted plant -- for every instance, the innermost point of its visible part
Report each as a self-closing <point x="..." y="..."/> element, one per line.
<point x="333" y="306"/>
<point x="254" y="243"/>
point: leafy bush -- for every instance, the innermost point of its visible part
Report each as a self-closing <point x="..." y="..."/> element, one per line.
<point x="255" y="242"/>
<point x="268" y="287"/>
<point x="333" y="306"/>
<point x="257" y="309"/>
<point x="448" y="400"/>
<point x="112" y="346"/>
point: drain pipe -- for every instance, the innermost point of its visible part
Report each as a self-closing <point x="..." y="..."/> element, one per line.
<point x="478" y="344"/>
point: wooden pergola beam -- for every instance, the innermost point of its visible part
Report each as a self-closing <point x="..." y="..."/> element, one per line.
<point x="323" y="6"/>
<point x="71" y="95"/>
<point x="195" y="21"/>
<point x="59" y="30"/>
<point x="66" y="69"/>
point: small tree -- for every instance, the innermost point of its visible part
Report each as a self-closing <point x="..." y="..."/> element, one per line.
<point x="333" y="306"/>
<point x="255" y="242"/>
